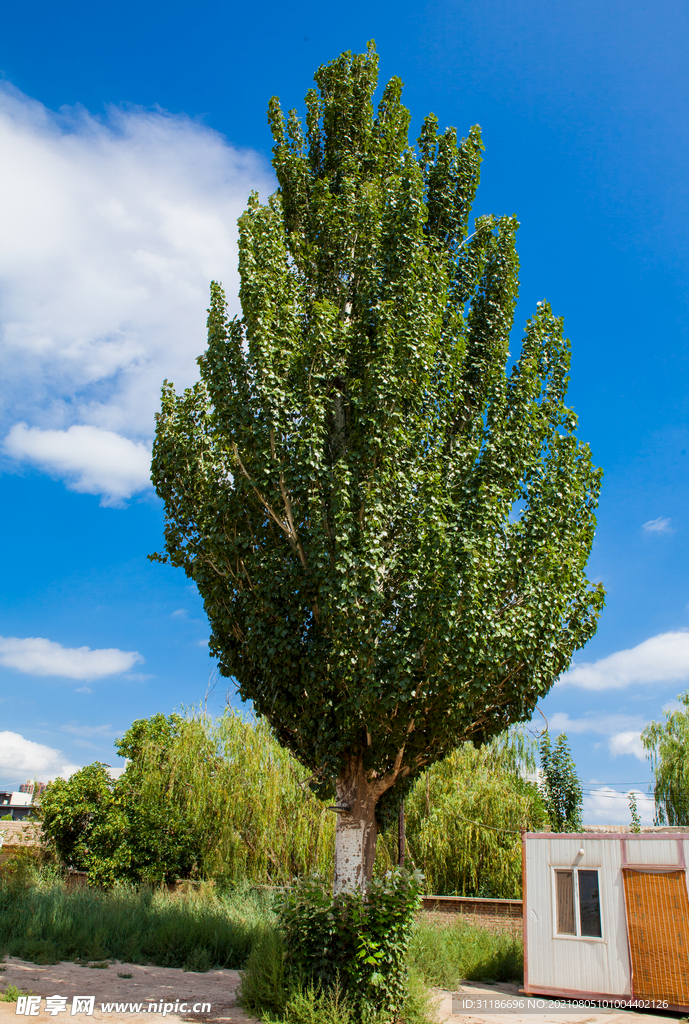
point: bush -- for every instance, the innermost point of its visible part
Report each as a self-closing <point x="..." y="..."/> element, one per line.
<point x="355" y="942"/>
<point x="93" y="823"/>
<point x="263" y="987"/>
<point x="313" y="1005"/>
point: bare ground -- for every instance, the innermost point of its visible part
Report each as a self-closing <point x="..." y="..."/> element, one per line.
<point x="166" y="985"/>
<point x="171" y="985"/>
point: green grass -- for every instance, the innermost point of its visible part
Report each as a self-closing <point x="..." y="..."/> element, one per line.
<point x="11" y="994"/>
<point x="440" y="956"/>
<point x="447" y="954"/>
<point x="43" y="921"/>
<point x="265" y="992"/>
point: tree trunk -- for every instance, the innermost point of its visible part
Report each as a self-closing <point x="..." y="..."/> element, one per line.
<point x="401" y="837"/>
<point x="357" y="828"/>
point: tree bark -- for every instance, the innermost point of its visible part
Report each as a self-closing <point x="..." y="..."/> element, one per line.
<point x="401" y="837"/>
<point x="357" y="829"/>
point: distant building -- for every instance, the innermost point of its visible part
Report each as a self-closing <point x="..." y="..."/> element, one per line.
<point x="16" y="803"/>
<point x="35" y="788"/>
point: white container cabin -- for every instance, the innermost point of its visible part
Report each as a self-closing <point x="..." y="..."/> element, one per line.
<point x="606" y="915"/>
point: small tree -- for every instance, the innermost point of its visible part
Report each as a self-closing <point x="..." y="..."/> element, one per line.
<point x="667" y="744"/>
<point x="388" y="530"/>
<point x="112" y="828"/>
<point x="84" y="826"/>
<point x="560" y="785"/>
<point x="635" y="824"/>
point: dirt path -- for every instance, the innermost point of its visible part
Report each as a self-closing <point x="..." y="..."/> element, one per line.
<point x="166" y="988"/>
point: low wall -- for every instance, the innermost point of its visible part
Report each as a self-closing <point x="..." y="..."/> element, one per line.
<point x="498" y="915"/>
<point x="16" y="836"/>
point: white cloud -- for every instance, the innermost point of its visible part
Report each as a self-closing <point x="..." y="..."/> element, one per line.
<point x="627" y="743"/>
<point x="40" y="657"/>
<point x="661" y="659"/>
<point x="21" y="759"/>
<point x="90" y="460"/>
<point x="604" y="725"/>
<point x="659" y="525"/>
<point x="606" y="806"/>
<point x="623" y="731"/>
<point x="87" y="730"/>
<point x="113" y="228"/>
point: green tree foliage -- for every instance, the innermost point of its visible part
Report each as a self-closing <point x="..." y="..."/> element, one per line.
<point x="389" y="531"/>
<point x="220" y="798"/>
<point x="107" y="827"/>
<point x="667" y="743"/>
<point x="560" y="785"/>
<point x="256" y="819"/>
<point x="83" y="824"/>
<point x="199" y="798"/>
<point x="464" y="819"/>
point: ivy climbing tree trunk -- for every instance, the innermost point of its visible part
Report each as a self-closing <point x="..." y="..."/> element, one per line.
<point x="389" y="531"/>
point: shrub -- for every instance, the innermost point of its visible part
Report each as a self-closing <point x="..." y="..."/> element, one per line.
<point x="263" y="988"/>
<point x="354" y="941"/>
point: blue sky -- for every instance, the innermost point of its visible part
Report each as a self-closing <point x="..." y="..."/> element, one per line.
<point x="131" y="136"/>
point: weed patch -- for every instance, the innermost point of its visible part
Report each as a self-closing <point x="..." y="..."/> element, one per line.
<point x="446" y="954"/>
<point x="44" y="922"/>
<point x="11" y="994"/>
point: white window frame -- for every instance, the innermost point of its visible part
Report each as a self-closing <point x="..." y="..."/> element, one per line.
<point x="575" y="869"/>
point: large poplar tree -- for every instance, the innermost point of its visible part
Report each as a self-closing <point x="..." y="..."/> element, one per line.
<point x="388" y="529"/>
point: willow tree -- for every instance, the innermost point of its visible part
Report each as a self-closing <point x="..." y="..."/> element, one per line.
<point x="389" y="531"/>
<point x="667" y="747"/>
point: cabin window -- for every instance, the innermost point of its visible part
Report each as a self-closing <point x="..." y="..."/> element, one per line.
<point x="577" y="900"/>
<point x="589" y="903"/>
<point x="564" y="887"/>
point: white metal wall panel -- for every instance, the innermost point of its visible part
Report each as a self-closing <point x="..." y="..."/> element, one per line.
<point x="652" y="851"/>
<point x="575" y="964"/>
